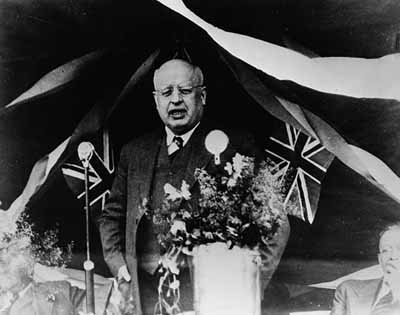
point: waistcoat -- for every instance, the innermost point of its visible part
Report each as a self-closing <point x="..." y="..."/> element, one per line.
<point x="167" y="170"/>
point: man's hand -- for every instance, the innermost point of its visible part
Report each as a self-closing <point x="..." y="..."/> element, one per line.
<point x="125" y="300"/>
<point x="123" y="274"/>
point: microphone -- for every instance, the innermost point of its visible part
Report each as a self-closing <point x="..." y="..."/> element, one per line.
<point x="216" y="142"/>
<point x="85" y="152"/>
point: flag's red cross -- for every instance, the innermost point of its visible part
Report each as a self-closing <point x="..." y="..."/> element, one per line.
<point x="100" y="179"/>
<point x="301" y="163"/>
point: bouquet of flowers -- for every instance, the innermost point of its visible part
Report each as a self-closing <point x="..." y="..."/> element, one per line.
<point x="44" y="247"/>
<point x="240" y="206"/>
<point x="21" y="248"/>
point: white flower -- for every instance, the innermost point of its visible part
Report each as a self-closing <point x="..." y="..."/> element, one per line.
<point x="235" y="170"/>
<point x="7" y="223"/>
<point x="175" y="194"/>
<point x="228" y="167"/>
<point x="185" y="193"/>
<point x="171" y="192"/>
<point x="186" y="215"/>
<point x="235" y="220"/>
<point x="208" y="235"/>
<point x="170" y="264"/>
<point x="238" y="163"/>
<point x="145" y="203"/>
<point x="231" y="182"/>
<point x="174" y="285"/>
<point x="178" y="225"/>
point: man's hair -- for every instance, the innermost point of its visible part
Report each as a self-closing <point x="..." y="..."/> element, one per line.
<point x="388" y="227"/>
<point x="197" y="73"/>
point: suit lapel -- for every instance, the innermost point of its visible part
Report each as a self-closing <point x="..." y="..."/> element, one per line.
<point x="147" y="161"/>
<point x="367" y="296"/>
<point x="376" y="293"/>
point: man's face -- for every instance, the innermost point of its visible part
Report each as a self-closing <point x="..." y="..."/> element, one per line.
<point x="389" y="252"/>
<point x="179" y="96"/>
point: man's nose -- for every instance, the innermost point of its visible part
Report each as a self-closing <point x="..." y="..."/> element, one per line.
<point x="176" y="96"/>
<point x="395" y="254"/>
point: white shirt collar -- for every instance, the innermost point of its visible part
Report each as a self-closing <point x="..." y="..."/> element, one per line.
<point x="185" y="137"/>
<point x="384" y="289"/>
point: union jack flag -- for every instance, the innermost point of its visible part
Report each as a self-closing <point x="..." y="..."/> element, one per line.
<point x="101" y="172"/>
<point x="300" y="163"/>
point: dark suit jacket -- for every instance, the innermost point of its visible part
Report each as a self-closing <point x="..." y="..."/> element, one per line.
<point x="119" y="220"/>
<point x="356" y="297"/>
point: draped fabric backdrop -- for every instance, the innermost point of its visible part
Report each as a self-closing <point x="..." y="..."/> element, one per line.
<point x="102" y="53"/>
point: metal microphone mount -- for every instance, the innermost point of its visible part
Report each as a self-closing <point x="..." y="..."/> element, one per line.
<point x="85" y="153"/>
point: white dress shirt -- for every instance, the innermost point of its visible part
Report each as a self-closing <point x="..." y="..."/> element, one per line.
<point x="384" y="289"/>
<point x="171" y="145"/>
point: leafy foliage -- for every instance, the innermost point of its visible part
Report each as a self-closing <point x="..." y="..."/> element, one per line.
<point x="44" y="247"/>
<point x="240" y="206"/>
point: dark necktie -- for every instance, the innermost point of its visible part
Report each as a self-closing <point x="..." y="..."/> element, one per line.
<point x="384" y="305"/>
<point x="178" y="141"/>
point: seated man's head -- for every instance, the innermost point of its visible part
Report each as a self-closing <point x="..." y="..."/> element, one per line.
<point x="389" y="250"/>
<point x="179" y="95"/>
<point x="16" y="264"/>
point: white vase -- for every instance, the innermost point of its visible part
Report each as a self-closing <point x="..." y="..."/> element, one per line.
<point x="226" y="281"/>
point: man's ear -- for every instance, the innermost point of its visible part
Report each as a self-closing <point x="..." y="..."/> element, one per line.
<point x="155" y="99"/>
<point x="203" y="95"/>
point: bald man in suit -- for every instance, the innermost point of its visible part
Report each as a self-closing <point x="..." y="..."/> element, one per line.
<point x="376" y="296"/>
<point x="168" y="155"/>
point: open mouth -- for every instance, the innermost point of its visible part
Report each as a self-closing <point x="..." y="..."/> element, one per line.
<point x="177" y="113"/>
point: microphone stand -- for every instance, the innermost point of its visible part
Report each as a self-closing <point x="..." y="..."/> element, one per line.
<point x="88" y="265"/>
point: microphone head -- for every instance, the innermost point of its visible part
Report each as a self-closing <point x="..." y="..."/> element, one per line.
<point x="85" y="150"/>
<point x="216" y="142"/>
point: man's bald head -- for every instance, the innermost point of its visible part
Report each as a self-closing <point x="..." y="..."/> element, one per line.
<point x="174" y="66"/>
